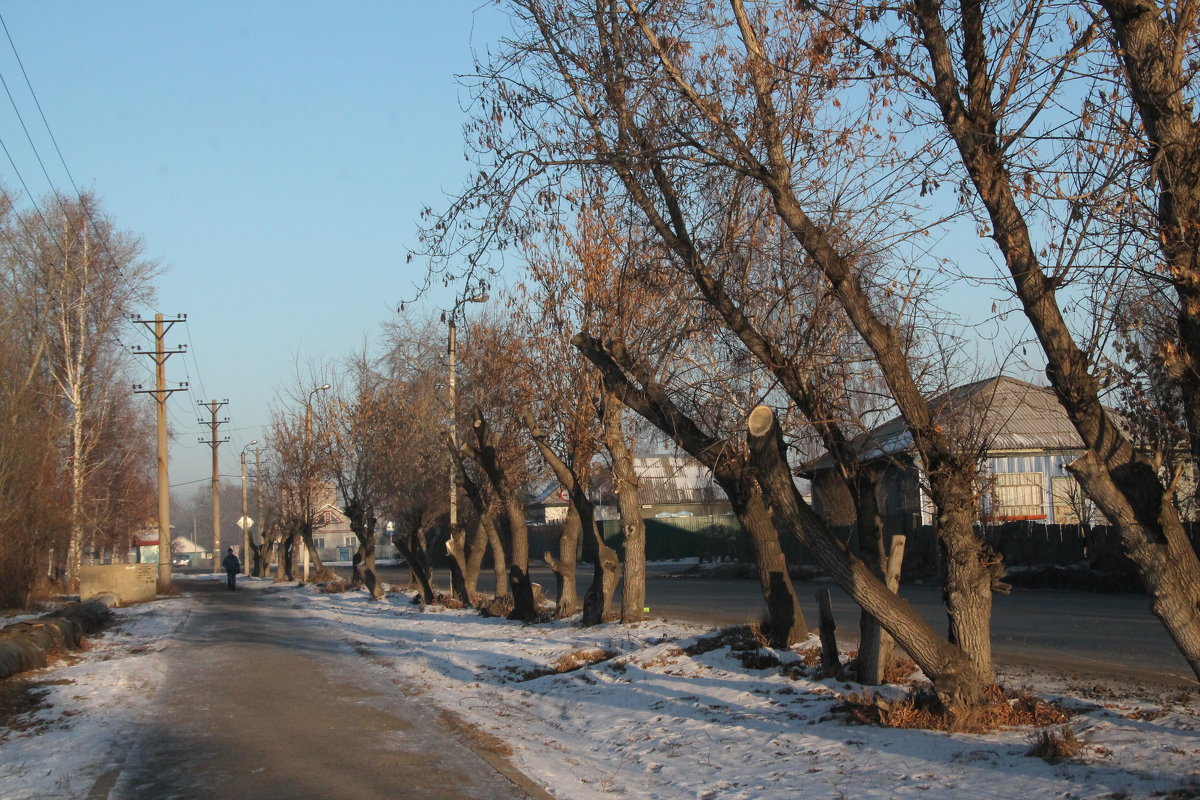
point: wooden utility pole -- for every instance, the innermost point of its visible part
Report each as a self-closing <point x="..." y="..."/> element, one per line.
<point x="161" y="393"/>
<point x="214" y="443"/>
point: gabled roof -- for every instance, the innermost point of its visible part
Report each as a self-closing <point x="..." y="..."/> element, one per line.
<point x="182" y="544"/>
<point x="1004" y="413"/>
<point x="662" y="480"/>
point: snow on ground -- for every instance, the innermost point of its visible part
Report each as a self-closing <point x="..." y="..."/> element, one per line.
<point x="88" y="705"/>
<point x="657" y="718"/>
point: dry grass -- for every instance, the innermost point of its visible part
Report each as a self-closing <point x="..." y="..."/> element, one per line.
<point x="581" y="658"/>
<point x="496" y="607"/>
<point x="336" y="586"/>
<point x="739" y="638"/>
<point x="1055" y="746"/>
<point x="923" y="710"/>
<point x="18" y="700"/>
<point x="568" y="662"/>
<point x="899" y="670"/>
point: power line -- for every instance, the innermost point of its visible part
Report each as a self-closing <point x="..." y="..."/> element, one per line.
<point x="37" y="103"/>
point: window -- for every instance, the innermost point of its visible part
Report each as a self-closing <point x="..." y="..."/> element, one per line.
<point x="1068" y="500"/>
<point x="1017" y="495"/>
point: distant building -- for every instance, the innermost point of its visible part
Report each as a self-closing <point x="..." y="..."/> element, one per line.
<point x="1024" y="440"/>
<point x="332" y="536"/>
<point x="145" y="547"/>
<point x="685" y="511"/>
<point x="669" y="487"/>
<point x="182" y="547"/>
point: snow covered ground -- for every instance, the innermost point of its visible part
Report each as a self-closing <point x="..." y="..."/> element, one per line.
<point x="657" y="718"/>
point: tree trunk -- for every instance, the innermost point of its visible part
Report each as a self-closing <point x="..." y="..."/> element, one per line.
<point x="875" y="650"/>
<point x="412" y="547"/>
<point x="871" y="658"/>
<point x="319" y="570"/>
<point x="605" y="565"/>
<point x="484" y="535"/>
<point x="75" y="544"/>
<point x="499" y="559"/>
<point x="518" y="535"/>
<point x="606" y="569"/>
<point x="566" y="595"/>
<point x="456" y="546"/>
<point x="957" y="678"/>
<point x="1149" y="43"/>
<point x="625" y="485"/>
<point x="363" y="523"/>
<point x="287" y="552"/>
<point x="786" y="622"/>
<point x="1123" y="486"/>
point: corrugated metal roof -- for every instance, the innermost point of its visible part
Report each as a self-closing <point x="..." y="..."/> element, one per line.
<point x="662" y="480"/>
<point x="1003" y="413"/>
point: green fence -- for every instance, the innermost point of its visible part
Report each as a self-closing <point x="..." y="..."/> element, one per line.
<point x="669" y="538"/>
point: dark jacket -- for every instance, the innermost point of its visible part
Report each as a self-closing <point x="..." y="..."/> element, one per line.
<point x="231" y="563"/>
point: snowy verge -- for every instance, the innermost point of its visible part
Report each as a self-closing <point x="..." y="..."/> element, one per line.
<point x="82" y="709"/>
<point x="658" y="717"/>
<point x="654" y="710"/>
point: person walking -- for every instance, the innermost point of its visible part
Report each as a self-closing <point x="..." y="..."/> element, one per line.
<point x="232" y="565"/>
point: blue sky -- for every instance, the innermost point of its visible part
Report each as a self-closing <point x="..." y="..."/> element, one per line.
<point x="274" y="156"/>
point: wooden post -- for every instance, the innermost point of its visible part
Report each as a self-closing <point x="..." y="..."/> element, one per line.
<point x="895" y="559"/>
<point x="829" y="652"/>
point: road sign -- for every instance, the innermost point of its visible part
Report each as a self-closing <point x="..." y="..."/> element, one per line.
<point x="245" y="523"/>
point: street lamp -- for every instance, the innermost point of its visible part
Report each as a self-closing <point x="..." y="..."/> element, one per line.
<point x="451" y="352"/>
<point x="245" y="521"/>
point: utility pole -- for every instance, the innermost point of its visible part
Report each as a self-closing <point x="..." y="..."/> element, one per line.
<point x="214" y="443"/>
<point x="452" y="354"/>
<point x="161" y="393"/>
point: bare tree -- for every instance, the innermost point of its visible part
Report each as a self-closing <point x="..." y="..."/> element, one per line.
<point x="83" y="278"/>
<point x="360" y="445"/>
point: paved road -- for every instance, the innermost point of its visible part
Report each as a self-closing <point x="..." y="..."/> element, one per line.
<point x="1092" y="635"/>
<point x="305" y="717"/>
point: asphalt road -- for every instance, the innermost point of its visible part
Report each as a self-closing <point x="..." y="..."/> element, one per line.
<point x="1088" y="635"/>
<point x="261" y="705"/>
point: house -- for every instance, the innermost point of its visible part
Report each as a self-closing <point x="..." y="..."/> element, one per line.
<point x="1024" y="442"/>
<point x="184" y="548"/>
<point x="332" y="536"/>
<point x="145" y="547"/>
<point x="686" y="512"/>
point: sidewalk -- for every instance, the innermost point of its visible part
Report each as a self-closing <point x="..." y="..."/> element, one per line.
<point x="259" y="704"/>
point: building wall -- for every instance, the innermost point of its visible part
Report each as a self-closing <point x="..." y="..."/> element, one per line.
<point x="1043" y="497"/>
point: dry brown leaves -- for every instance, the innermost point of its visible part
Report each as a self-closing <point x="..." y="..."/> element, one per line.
<point x="921" y="709"/>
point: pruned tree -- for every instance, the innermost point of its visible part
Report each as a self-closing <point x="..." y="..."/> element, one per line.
<point x="301" y="478"/>
<point x="360" y="443"/>
<point x="414" y="467"/>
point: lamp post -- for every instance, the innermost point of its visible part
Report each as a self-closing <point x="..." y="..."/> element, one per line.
<point x="245" y="521"/>
<point x="306" y="488"/>
<point x="451" y="351"/>
<point x="258" y="509"/>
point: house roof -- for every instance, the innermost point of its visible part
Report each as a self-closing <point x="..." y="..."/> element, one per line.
<point x="182" y="544"/>
<point x="1002" y="413"/>
<point x="662" y="480"/>
<point x="675" y="480"/>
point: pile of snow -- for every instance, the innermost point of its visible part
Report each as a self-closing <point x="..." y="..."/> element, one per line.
<point x="654" y="717"/>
